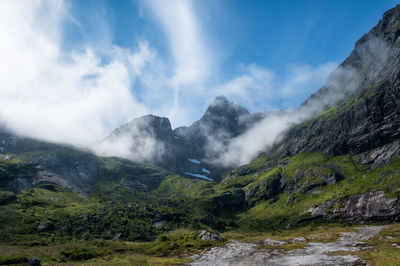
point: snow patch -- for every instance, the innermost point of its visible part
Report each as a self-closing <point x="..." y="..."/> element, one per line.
<point x="204" y="170"/>
<point x="176" y="137"/>
<point x="199" y="176"/>
<point x="194" y="161"/>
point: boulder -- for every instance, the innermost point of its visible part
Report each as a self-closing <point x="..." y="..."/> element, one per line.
<point x="42" y="226"/>
<point x="209" y="236"/>
<point x="34" y="261"/>
<point x="116" y="237"/>
<point x="272" y="242"/>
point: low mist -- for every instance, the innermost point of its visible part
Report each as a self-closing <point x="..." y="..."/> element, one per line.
<point x="364" y="69"/>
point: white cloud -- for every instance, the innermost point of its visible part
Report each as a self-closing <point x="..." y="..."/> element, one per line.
<point x="185" y="79"/>
<point x="244" y="148"/>
<point x="247" y="146"/>
<point x="49" y="94"/>
<point x="254" y="83"/>
<point x="75" y="97"/>
<point x="258" y="86"/>
<point x="192" y="58"/>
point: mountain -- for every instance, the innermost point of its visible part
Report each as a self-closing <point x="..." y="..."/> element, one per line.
<point x="188" y="151"/>
<point x="339" y="165"/>
<point x="368" y="118"/>
<point x="26" y="163"/>
<point x="342" y="163"/>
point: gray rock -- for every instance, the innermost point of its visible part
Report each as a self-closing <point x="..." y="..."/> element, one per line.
<point x="116" y="237"/>
<point x="42" y="226"/>
<point x="34" y="261"/>
<point x="371" y="206"/>
<point x="298" y="239"/>
<point x="159" y="223"/>
<point x="272" y="242"/>
<point x="209" y="236"/>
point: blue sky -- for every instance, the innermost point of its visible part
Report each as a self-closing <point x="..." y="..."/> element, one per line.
<point x="270" y="34"/>
<point x="98" y="63"/>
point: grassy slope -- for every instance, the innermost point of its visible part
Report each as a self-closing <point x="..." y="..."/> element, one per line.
<point x="181" y="202"/>
<point x="356" y="180"/>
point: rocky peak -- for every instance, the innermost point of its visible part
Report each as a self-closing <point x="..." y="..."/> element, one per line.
<point x="389" y="26"/>
<point x="158" y="127"/>
<point x="223" y="116"/>
<point x="221" y="108"/>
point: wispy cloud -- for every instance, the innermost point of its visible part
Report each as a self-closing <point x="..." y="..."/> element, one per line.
<point x="191" y="56"/>
<point x="192" y="63"/>
<point x="258" y="86"/>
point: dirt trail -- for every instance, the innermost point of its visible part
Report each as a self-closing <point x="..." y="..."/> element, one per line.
<point x="315" y="253"/>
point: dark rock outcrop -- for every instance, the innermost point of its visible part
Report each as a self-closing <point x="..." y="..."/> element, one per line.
<point x="371" y="206"/>
<point x="365" y="116"/>
<point x="267" y="189"/>
<point x="34" y="161"/>
<point x="233" y="200"/>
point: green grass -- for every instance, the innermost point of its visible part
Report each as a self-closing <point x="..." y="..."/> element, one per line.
<point x="356" y="180"/>
<point x="175" y="244"/>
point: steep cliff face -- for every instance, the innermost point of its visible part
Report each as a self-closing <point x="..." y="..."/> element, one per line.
<point x="26" y="162"/>
<point x="343" y="162"/>
<point x="369" y="117"/>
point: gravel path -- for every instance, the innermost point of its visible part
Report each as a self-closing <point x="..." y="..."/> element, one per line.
<point x="315" y="253"/>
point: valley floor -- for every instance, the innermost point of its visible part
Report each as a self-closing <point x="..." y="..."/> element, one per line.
<point x="323" y="245"/>
<point x="299" y="251"/>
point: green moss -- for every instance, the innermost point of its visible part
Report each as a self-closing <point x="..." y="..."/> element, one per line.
<point x="180" y="186"/>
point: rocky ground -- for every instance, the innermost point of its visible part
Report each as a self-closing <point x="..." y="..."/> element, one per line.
<point x="272" y="252"/>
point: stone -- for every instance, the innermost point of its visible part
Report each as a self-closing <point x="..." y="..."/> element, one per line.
<point x="209" y="236"/>
<point x="34" y="261"/>
<point x="116" y="237"/>
<point x="272" y="242"/>
<point x="298" y="239"/>
<point x="42" y="226"/>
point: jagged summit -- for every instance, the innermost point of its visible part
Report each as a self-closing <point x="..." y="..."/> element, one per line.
<point x="388" y="27"/>
<point x="158" y="126"/>
<point x="222" y="117"/>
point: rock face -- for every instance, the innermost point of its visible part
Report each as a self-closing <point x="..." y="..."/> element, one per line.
<point x="369" y="116"/>
<point x="35" y="162"/>
<point x="268" y="189"/>
<point x="360" y="117"/>
<point x="371" y="206"/>
<point x="26" y="163"/>
<point x="231" y="200"/>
